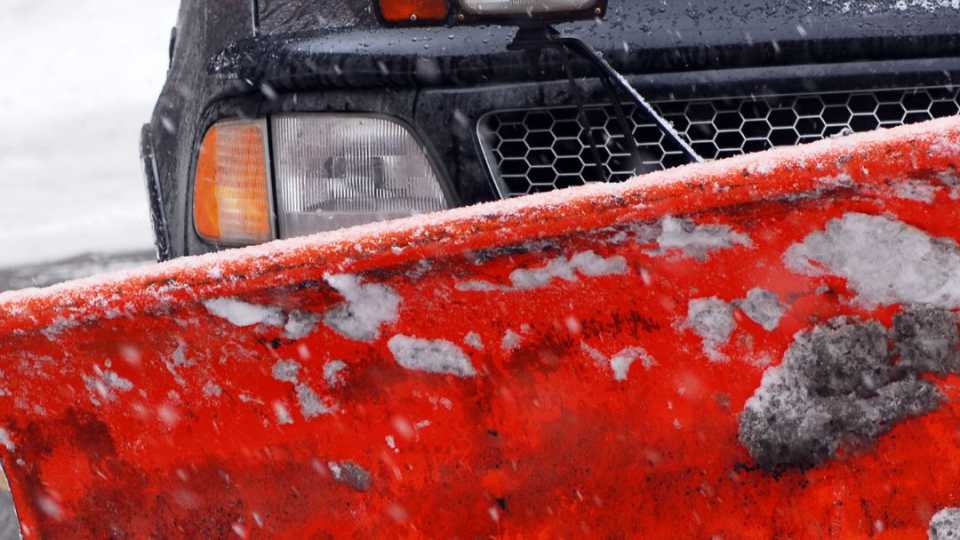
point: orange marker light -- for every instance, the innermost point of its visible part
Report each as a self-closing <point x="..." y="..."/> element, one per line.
<point x="399" y="11"/>
<point x="232" y="203"/>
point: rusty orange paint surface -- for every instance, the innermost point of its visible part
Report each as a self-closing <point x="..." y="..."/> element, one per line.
<point x="527" y="369"/>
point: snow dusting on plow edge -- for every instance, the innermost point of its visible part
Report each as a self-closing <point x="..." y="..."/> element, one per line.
<point x="699" y="186"/>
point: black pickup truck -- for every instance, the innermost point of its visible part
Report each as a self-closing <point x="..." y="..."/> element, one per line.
<point x="282" y="118"/>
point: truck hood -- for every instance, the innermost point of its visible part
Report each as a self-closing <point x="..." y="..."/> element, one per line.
<point x="339" y="43"/>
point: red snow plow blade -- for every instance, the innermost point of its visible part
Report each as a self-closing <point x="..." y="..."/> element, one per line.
<point x="764" y="347"/>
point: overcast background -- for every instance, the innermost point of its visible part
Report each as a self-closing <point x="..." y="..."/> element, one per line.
<point x="79" y="79"/>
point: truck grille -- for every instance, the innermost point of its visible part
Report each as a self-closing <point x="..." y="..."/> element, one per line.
<point x="536" y="150"/>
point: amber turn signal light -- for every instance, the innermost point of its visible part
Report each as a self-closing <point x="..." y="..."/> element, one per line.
<point x="232" y="201"/>
<point x="414" y="11"/>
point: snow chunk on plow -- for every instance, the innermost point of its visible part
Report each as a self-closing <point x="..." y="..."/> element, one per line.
<point x="885" y="260"/>
<point x="434" y="356"/>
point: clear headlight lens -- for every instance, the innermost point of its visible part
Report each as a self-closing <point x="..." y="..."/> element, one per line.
<point x="338" y="170"/>
<point x="529" y="7"/>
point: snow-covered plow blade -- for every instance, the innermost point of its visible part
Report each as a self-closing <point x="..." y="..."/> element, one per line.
<point x="764" y="347"/>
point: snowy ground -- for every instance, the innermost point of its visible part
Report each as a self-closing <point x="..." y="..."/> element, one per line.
<point x="80" y="78"/>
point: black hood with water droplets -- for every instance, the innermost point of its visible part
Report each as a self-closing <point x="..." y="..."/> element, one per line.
<point x="340" y="43"/>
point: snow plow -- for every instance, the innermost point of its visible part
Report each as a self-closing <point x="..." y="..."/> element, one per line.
<point x="765" y="346"/>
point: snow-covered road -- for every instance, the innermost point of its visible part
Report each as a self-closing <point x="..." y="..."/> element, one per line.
<point x="80" y="78"/>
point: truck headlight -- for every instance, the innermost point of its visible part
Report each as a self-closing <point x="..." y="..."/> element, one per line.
<point x="231" y="191"/>
<point x="338" y="170"/>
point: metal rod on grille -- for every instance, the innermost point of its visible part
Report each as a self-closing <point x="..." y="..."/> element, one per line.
<point x="583" y="119"/>
<point x="582" y="48"/>
<point x="625" y="128"/>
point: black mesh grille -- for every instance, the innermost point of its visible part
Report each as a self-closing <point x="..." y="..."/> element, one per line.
<point x="546" y="149"/>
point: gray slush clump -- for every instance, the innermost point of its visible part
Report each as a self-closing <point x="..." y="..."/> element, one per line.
<point x="945" y="525"/>
<point x="840" y="387"/>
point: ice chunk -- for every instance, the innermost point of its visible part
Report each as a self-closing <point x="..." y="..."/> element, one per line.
<point x="367" y="307"/>
<point x="243" y="314"/>
<point x="916" y="190"/>
<point x="511" y="341"/>
<point x="928" y="339"/>
<point x="286" y="371"/>
<point x="433" y="356"/>
<point x="176" y="361"/>
<point x="711" y="319"/>
<point x="697" y="241"/>
<point x="351" y="474"/>
<point x="311" y="405"/>
<point x="587" y="263"/>
<point x="474" y="340"/>
<point x="837" y="385"/>
<point x="212" y="389"/>
<point x="764" y="308"/>
<point x="6" y="441"/>
<point x="300" y="325"/>
<point x="282" y="413"/>
<point x="621" y="362"/>
<point x="945" y="525"/>
<point x="332" y="372"/>
<point x="884" y="260"/>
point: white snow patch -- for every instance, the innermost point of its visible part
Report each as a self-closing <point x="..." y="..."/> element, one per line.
<point x="620" y="362"/>
<point x="593" y="353"/>
<point x="6" y="441"/>
<point x="311" y="405"/>
<point x="282" y="413"/>
<point x="176" y="361"/>
<point x="951" y="181"/>
<point x="711" y="319"/>
<point x="587" y="263"/>
<point x="474" y="340"/>
<point x="367" y="307"/>
<point x="842" y="180"/>
<point x="300" y="325"/>
<point x="916" y="190"/>
<point x="884" y="260"/>
<point x="212" y="389"/>
<point x="764" y="308"/>
<point x="433" y="356"/>
<point x="240" y="313"/>
<point x="511" y="341"/>
<point x="287" y="371"/>
<point x="60" y="324"/>
<point x="697" y="241"/>
<point x="104" y="384"/>
<point x="333" y="372"/>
